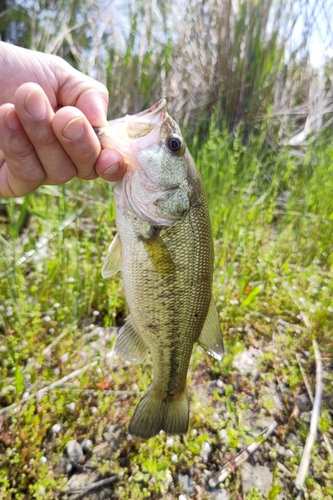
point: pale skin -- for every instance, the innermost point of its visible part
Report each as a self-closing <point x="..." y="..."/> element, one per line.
<point x="47" y="110"/>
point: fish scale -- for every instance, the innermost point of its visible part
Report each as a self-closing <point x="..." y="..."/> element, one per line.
<point x="164" y="249"/>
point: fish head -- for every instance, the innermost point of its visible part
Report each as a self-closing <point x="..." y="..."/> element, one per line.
<point x="161" y="176"/>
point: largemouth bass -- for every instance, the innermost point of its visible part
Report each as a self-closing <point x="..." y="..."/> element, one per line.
<point x="164" y="249"/>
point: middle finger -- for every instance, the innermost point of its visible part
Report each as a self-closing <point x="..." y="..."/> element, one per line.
<point x="36" y="114"/>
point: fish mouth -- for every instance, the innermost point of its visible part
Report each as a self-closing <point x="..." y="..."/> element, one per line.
<point x="142" y="123"/>
<point x="118" y="134"/>
<point x="150" y="113"/>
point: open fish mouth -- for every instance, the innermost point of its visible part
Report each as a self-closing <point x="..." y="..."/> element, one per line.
<point x="150" y="113"/>
<point x="142" y="123"/>
<point x="119" y="132"/>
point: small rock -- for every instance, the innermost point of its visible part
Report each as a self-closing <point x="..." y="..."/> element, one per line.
<point x="283" y="469"/>
<point x="74" y="451"/>
<point x="292" y="438"/>
<point x="86" y="446"/>
<point x="187" y="483"/>
<point x="219" y="494"/>
<point x="303" y="402"/>
<point x="281" y="450"/>
<point x="258" y="477"/>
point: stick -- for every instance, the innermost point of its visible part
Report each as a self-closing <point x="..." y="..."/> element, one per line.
<point x="57" y="383"/>
<point x="241" y="457"/>
<point x="308" y="388"/>
<point x="311" y="437"/>
<point x="94" y="486"/>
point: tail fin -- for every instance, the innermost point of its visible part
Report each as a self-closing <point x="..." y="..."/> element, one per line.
<point x="153" y="415"/>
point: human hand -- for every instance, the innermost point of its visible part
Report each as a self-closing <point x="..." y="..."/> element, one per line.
<point x="40" y="143"/>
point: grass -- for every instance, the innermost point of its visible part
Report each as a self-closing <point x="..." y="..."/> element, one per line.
<point x="272" y="221"/>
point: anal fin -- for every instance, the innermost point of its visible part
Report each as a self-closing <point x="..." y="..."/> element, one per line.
<point x="129" y="346"/>
<point x="211" y="335"/>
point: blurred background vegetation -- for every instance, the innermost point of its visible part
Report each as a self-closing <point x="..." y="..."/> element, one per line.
<point x="250" y="83"/>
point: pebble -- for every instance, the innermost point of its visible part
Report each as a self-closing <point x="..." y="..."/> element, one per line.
<point x="283" y="469"/>
<point x="292" y="438"/>
<point x="219" y="494"/>
<point x="281" y="450"/>
<point x="86" y="446"/>
<point x="187" y="483"/>
<point x="303" y="402"/>
<point x="74" y="451"/>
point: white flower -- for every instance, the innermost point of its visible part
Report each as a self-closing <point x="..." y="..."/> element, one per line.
<point x="174" y="459"/>
<point x="206" y="447"/>
<point x="223" y="434"/>
<point x="170" y="441"/>
<point x="64" y="358"/>
<point x="43" y="460"/>
<point x="71" y="406"/>
<point x="47" y="319"/>
<point x="56" y="428"/>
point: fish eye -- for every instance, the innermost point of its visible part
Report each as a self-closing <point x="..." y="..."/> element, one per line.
<point x="174" y="144"/>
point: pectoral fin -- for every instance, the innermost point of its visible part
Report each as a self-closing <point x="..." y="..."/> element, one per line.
<point x="129" y="346"/>
<point x="112" y="263"/>
<point x="211" y="336"/>
<point x="160" y="256"/>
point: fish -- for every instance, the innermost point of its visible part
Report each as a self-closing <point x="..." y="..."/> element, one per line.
<point x="164" y="249"/>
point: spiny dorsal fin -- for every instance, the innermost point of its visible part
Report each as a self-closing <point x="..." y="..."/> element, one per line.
<point x="211" y="336"/>
<point x="129" y="346"/>
<point x="112" y="263"/>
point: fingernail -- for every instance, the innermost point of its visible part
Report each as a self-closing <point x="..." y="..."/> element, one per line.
<point x="12" y="121"/>
<point x="35" y="104"/>
<point x="111" y="170"/>
<point x="74" y="129"/>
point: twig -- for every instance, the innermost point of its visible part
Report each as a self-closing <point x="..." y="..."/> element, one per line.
<point x="48" y="349"/>
<point x="308" y="388"/>
<point x="106" y="392"/>
<point x="305" y="378"/>
<point x="311" y="437"/>
<point x="94" y="486"/>
<point x="42" y="391"/>
<point x="241" y="457"/>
